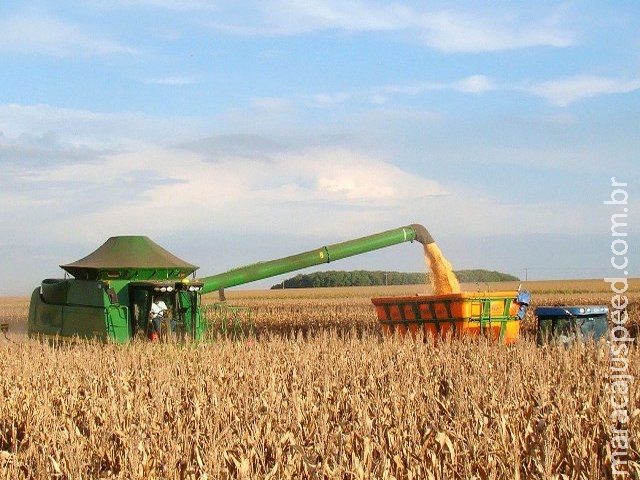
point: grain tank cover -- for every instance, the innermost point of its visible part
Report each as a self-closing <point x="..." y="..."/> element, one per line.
<point x="130" y="258"/>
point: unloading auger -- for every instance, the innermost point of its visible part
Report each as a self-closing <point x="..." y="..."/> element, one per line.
<point x="326" y="254"/>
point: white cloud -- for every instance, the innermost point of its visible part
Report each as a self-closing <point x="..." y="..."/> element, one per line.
<point x="290" y="16"/>
<point x="475" y="84"/>
<point x="328" y="191"/>
<point x="345" y="177"/>
<point x="560" y="92"/>
<point x="159" y="190"/>
<point x="471" y="84"/>
<point x="441" y="29"/>
<point x="455" y="32"/>
<point x="176" y="80"/>
<point x="100" y="130"/>
<point x="328" y="99"/>
<point x="414" y="88"/>
<point x="271" y="105"/>
<point x="177" y="5"/>
<point x="564" y="91"/>
<point x="378" y="99"/>
<point x="37" y="34"/>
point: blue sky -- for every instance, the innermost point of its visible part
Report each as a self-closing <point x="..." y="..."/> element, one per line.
<point x="233" y="132"/>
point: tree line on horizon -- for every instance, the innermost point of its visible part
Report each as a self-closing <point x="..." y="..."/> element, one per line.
<point x="362" y="278"/>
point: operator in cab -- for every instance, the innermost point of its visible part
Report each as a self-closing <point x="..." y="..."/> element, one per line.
<point x="157" y="313"/>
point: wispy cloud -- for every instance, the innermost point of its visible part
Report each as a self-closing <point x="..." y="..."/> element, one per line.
<point x="289" y="16"/>
<point x="41" y="34"/>
<point x="172" y="81"/>
<point x="176" y="5"/>
<point x="472" y="84"/>
<point x="413" y="88"/>
<point x="560" y="92"/>
<point x="271" y="105"/>
<point x="92" y="129"/>
<point x="445" y="30"/>
<point x="475" y="84"/>
<point x="564" y="91"/>
<point x="329" y="99"/>
<point x="456" y="32"/>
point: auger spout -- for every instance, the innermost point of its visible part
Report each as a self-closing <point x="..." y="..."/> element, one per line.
<point x="422" y="234"/>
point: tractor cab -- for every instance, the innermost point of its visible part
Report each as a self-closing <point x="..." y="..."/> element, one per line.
<point x="568" y="324"/>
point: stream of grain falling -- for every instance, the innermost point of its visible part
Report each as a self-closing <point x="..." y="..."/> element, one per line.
<point x="443" y="280"/>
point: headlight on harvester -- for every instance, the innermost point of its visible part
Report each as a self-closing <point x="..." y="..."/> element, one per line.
<point x="163" y="289"/>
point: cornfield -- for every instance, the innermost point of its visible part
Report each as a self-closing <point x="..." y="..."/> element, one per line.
<point x="317" y="392"/>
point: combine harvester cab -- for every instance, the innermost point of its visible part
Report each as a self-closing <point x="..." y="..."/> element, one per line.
<point x="467" y="314"/>
<point x="568" y="324"/>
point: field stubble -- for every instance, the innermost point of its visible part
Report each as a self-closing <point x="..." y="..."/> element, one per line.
<point x="318" y="393"/>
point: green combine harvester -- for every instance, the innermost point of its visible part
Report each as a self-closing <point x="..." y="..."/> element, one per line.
<point x="112" y="290"/>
